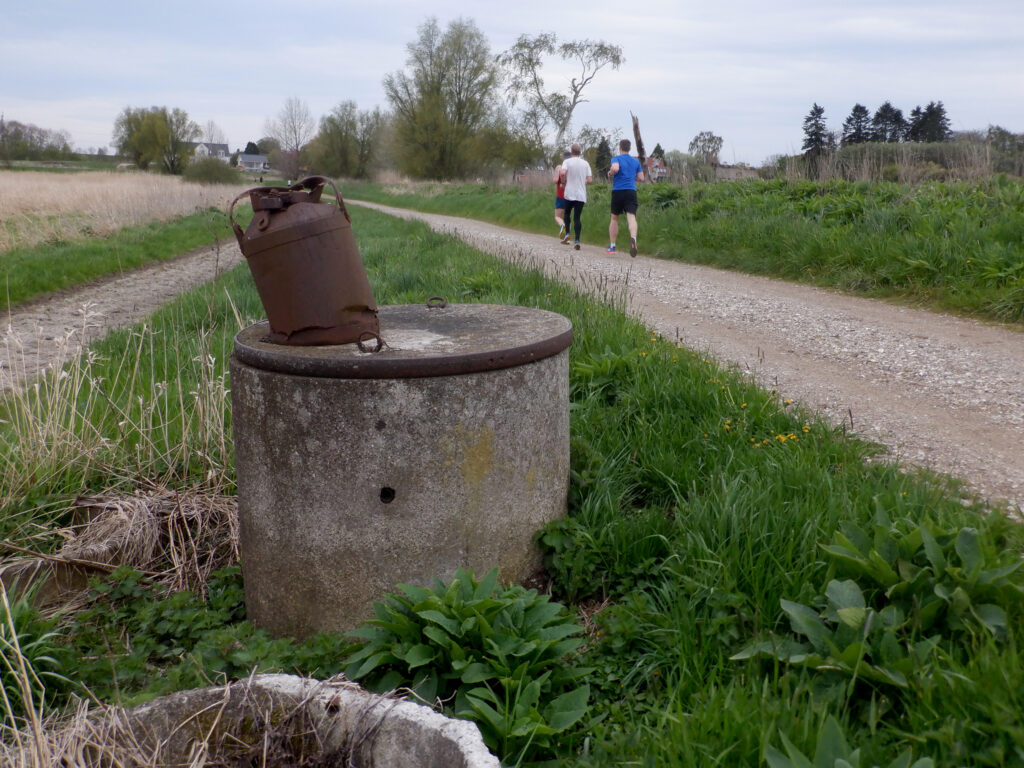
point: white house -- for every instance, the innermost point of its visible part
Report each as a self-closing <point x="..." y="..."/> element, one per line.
<point x="210" y="149"/>
<point x="253" y="163"/>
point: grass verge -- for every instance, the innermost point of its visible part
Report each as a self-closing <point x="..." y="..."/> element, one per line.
<point x="27" y="273"/>
<point x="704" y="513"/>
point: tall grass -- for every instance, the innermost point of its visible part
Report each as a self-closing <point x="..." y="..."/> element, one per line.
<point x="146" y="403"/>
<point x="698" y="503"/>
<point x="41" y="207"/>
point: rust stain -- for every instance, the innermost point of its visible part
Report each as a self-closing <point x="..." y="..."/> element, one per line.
<point x="477" y="455"/>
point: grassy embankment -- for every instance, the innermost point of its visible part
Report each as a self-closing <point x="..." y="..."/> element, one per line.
<point x="61" y="230"/>
<point x="703" y="514"/>
<point x="951" y="247"/>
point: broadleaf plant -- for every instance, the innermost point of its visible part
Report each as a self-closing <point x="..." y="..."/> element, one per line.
<point x="914" y="589"/>
<point x="486" y="653"/>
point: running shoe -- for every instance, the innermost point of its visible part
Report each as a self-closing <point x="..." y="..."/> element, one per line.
<point x="561" y="232"/>
<point x="576" y="245"/>
<point x="611" y="248"/>
<point x="632" y="247"/>
<point x="566" y="239"/>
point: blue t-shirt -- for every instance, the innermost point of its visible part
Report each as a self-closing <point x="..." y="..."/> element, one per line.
<point x="629" y="167"/>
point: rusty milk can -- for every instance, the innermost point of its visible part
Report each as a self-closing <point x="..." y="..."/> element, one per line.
<point x="304" y="260"/>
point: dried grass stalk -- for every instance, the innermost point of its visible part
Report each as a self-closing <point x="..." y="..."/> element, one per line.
<point x="176" y="537"/>
<point x="40" y="206"/>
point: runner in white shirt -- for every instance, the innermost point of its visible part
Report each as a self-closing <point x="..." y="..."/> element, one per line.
<point x="577" y="176"/>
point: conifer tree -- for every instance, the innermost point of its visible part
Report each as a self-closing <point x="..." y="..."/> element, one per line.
<point x="857" y="127"/>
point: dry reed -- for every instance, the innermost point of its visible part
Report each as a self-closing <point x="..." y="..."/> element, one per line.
<point x="38" y="207"/>
<point x="54" y="425"/>
<point x="237" y="724"/>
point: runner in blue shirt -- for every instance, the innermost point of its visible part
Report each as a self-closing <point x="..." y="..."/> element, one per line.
<point x="625" y="172"/>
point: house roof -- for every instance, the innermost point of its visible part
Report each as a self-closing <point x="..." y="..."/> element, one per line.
<point x="244" y="158"/>
<point x="212" y="148"/>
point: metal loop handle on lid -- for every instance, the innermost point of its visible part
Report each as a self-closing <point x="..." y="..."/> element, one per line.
<point x="367" y="336"/>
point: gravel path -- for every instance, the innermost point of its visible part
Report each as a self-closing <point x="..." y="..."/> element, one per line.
<point x="939" y="391"/>
<point x="44" y="332"/>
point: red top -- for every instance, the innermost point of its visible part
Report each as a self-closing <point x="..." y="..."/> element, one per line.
<point x="560" y="184"/>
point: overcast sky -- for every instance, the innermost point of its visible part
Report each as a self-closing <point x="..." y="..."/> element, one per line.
<point x="749" y="71"/>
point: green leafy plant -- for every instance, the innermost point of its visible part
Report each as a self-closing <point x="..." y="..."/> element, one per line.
<point x="924" y="587"/>
<point x="492" y="655"/>
<point x="32" y="659"/>
<point x="137" y="640"/>
<point x="940" y="581"/>
<point x="848" y="638"/>
<point x="832" y="751"/>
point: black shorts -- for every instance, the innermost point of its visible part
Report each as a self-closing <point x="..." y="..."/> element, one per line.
<point x="623" y="201"/>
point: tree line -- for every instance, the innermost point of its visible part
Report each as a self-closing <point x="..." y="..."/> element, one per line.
<point x="24" y="141"/>
<point x="925" y="124"/>
<point x="457" y="109"/>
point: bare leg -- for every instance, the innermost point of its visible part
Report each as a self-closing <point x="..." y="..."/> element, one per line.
<point x="613" y="228"/>
<point x="631" y="223"/>
<point x="560" y="216"/>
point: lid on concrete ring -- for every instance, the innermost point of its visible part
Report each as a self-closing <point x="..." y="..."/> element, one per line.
<point x="420" y="341"/>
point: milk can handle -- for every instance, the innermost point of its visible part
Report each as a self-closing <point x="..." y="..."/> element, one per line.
<point x="313" y="183"/>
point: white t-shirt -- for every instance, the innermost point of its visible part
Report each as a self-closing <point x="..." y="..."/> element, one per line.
<point x="576" y="172"/>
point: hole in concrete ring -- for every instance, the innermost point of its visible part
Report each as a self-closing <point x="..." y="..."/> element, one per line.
<point x="387" y="495"/>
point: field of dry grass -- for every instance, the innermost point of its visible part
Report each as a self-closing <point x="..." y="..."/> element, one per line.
<point x="39" y="207"/>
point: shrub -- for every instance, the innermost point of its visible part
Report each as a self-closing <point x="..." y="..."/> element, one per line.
<point x="210" y="170"/>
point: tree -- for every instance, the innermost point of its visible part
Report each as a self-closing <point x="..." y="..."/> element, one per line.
<point x="888" y="124"/>
<point x="345" y="144"/>
<point x="5" y="145"/>
<point x="333" y="151"/>
<point x="929" y="124"/>
<point x="442" y="100"/>
<point x="602" y="159"/>
<point x="816" y="133"/>
<point x="176" y="134"/>
<point x="659" y="153"/>
<point x="292" y="128"/>
<point x="251" y="149"/>
<point x="156" y="135"/>
<point x="266" y="145"/>
<point x="706" y="146"/>
<point x="369" y="127"/>
<point x="857" y="126"/>
<point x="213" y="134"/>
<point x="524" y="61"/>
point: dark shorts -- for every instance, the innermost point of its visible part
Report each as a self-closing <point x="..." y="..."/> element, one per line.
<point x="559" y="202"/>
<point x="623" y="201"/>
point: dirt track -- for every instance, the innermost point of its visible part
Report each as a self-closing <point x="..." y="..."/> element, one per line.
<point x="939" y="391"/>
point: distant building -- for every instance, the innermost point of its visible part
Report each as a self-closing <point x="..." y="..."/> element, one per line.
<point x="205" y="149"/>
<point x="655" y="169"/>
<point x="253" y="163"/>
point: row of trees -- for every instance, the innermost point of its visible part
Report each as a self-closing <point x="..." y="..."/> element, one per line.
<point x="887" y="124"/>
<point x="24" y="141"/>
<point x="456" y="110"/>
